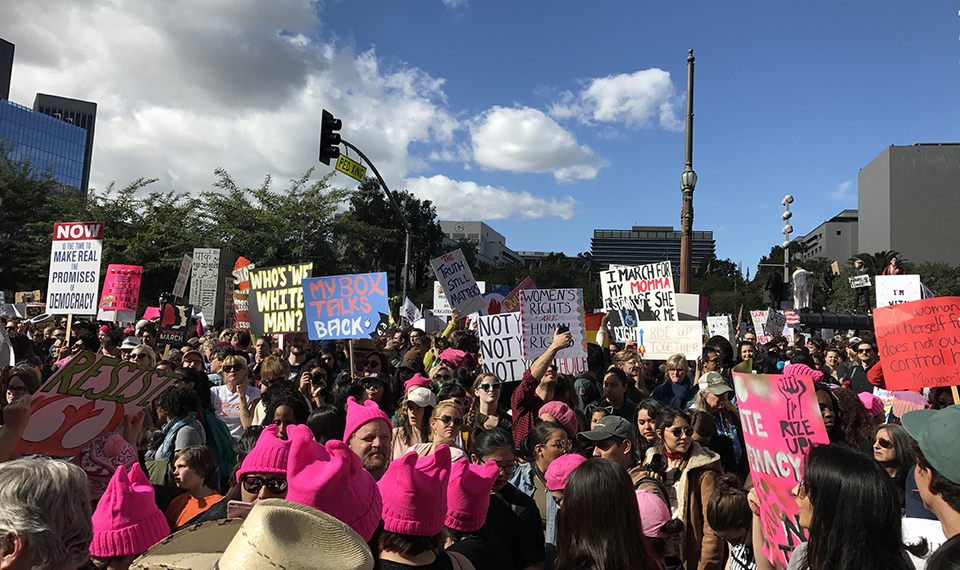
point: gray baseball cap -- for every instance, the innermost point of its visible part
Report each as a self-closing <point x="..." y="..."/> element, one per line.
<point x="610" y="427"/>
<point x="937" y="433"/>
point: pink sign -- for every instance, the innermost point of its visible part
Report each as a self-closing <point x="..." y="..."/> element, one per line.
<point x="511" y="303"/>
<point x="121" y="288"/>
<point x="781" y="422"/>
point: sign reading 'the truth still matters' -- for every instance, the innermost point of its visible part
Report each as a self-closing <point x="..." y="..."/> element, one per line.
<point x="74" y="281"/>
<point x="457" y="281"/>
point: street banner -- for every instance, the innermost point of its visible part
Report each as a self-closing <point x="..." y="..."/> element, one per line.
<point x="441" y="307"/>
<point x="345" y="306"/>
<point x="121" y="288"/>
<point x="456" y="279"/>
<point x="241" y="292"/>
<point x="86" y="398"/>
<point x="647" y="290"/>
<point x="659" y="340"/>
<point x="174" y="324"/>
<point x="919" y="343"/>
<point x="74" y="280"/>
<point x="859" y="281"/>
<point x="501" y="340"/>
<point x="781" y="422"/>
<point x="722" y="326"/>
<point x="276" y="299"/>
<point x="205" y="280"/>
<point x="511" y="303"/>
<point x="410" y="311"/>
<point x="542" y="311"/>
<point x="897" y="289"/>
<point x="180" y="286"/>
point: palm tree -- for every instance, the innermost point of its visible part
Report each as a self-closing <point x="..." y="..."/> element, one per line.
<point x="875" y="262"/>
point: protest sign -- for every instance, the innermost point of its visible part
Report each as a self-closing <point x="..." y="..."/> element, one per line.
<point x="456" y="279"/>
<point x="491" y="303"/>
<point x="691" y="307"/>
<point x="345" y="306"/>
<point x="27" y="296"/>
<point x="86" y="398"/>
<point x="205" y="280"/>
<point x="759" y="319"/>
<point x="410" y="311"/>
<point x="229" y="318"/>
<point x="896" y="289"/>
<point x="776" y="320"/>
<point x="276" y="298"/>
<point x="647" y="290"/>
<point x="859" y="281"/>
<point x="501" y="345"/>
<point x="721" y="326"/>
<point x="241" y="292"/>
<point x="33" y="310"/>
<point x="74" y="280"/>
<point x="7" y="355"/>
<point x="441" y="307"/>
<point x="121" y="288"/>
<point x="542" y="311"/>
<point x="919" y="343"/>
<point x="180" y="286"/>
<point x="174" y="324"/>
<point x="511" y="302"/>
<point x="660" y="340"/>
<point x="781" y="422"/>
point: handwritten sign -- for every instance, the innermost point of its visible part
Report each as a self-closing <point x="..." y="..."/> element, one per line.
<point x="121" y="288"/>
<point x="759" y="319"/>
<point x="180" y="285"/>
<point x="859" y="281"/>
<point x="205" y="280"/>
<point x="542" y="311"/>
<point x="457" y="281"/>
<point x="511" y="303"/>
<point x="441" y="307"/>
<point x="776" y="320"/>
<point x="87" y="398"/>
<point x="897" y="289"/>
<point x="277" y="299"/>
<point x="345" y="306"/>
<point x="501" y="340"/>
<point x="174" y="324"/>
<point x="74" y="279"/>
<point x="646" y="290"/>
<point x="919" y="343"/>
<point x="660" y="340"/>
<point x="721" y="326"/>
<point x="781" y="422"/>
<point x="241" y="292"/>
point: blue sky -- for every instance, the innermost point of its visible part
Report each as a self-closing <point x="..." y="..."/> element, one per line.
<point x="545" y="119"/>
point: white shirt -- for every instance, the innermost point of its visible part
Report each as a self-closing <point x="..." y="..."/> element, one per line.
<point x="226" y="405"/>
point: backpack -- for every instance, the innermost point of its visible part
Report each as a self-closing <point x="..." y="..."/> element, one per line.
<point x="221" y="443"/>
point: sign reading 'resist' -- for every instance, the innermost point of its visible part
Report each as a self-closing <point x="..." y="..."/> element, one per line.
<point x="74" y="281"/>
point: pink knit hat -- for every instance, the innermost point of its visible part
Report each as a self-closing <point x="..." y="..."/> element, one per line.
<point x="872" y="403"/>
<point x="100" y="458"/>
<point x="417" y="380"/>
<point x="454" y="356"/>
<point x="415" y="493"/>
<point x="560" y="468"/>
<point x="332" y="479"/>
<point x="269" y="455"/>
<point x="468" y="494"/>
<point x="802" y="370"/>
<point x="358" y="415"/>
<point x="127" y="520"/>
<point x="653" y="513"/>
<point x="564" y="415"/>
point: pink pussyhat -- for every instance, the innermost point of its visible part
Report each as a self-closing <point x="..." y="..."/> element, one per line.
<point x="358" y="415"/>
<point x="561" y="468"/>
<point x="414" y="491"/>
<point x="416" y="380"/>
<point x="269" y="455"/>
<point x="332" y="479"/>
<point x="872" y="403"/>
<point x="127" y="520"/>
<point x="468" y="494"/>
<point x="564" y="415"/>
<point x="653" y="513"/>
<point x="799" y="369"/>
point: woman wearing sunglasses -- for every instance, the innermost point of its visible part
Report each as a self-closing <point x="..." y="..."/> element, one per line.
<point x="893" y="449"/>
<point x="235" y="400"/>
<point x="486" y="411"/>
<point x="445" y="422"/>
<point x="691" y="475"/>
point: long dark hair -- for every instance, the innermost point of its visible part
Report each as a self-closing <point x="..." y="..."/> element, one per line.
<point x="610" y="538"/>
<point x="836" y="434"/>
<point x="904" y="457"/>
<point x="856" y="512"/>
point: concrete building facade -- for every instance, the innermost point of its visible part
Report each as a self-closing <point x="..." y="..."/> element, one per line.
<point x="647" y="244"/>
<point x="491" y="246"/>
<point x="835" y="239"/>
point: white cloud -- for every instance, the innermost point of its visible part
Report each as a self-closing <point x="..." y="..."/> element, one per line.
<point x="463" y="200"/>
<point x="845" y="192"/>
<point x="454" y="3"/>
<point x="527" y="140"/>
<point x="640" y="99"/>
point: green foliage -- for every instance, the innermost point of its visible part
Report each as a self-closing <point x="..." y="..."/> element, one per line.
<point x="555" y="271"/>
<point x="875" y="262"/>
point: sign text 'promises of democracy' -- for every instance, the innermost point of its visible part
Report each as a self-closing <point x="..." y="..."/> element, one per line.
<point x="345" y="306"/>
<point x="919" y="343"/>
<point x="73" y="284"/>
<point x="277" y="294"/>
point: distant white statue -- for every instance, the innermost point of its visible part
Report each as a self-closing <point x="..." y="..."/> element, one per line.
<point x="802" y="289"/>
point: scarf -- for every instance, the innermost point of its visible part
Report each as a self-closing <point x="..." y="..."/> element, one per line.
<point x="163" y="448"/>
<point x="673" y="455"/>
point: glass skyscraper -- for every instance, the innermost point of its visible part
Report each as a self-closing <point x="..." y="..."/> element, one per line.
<point x="45" y="141"/>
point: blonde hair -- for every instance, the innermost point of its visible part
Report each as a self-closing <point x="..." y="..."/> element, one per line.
<point x="437" y="412"/>
<point x="678" y="361"/>
<point x="624" y="355"/>
<point x="146" y="348"/>
<point x="274" y="368"/>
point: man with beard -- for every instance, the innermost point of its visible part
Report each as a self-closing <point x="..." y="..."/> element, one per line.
<point x="368" y="434"/>
<point x="299" y="355"/>
<point x="537" y="386"/>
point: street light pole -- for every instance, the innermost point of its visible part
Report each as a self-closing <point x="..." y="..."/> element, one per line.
<point x="786" y="231"/>
<point x="688" y="180"/>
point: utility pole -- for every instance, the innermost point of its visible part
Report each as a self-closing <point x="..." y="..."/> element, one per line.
<point x="786" y="231"/>
<point x="688" y="180"/>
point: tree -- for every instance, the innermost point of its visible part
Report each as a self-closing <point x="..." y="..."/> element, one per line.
<point x="875" y="262"/>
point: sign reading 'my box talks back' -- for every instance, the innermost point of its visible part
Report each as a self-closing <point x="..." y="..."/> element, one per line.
<point x="276" y="302"/>
<point x="345" y="306"/>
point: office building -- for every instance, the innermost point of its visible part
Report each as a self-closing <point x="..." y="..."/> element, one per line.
<point x="491" y="246"/>
<point x="835" y="239"/>
<point x="647" y="244"/>
<point x="909" y="197"/>
<point x="44" y="141"/>
<point x="6" y="68"/>
<point x="80" y="113"/>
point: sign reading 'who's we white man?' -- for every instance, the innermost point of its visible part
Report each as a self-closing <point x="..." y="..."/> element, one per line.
<point x="74" y="281"/>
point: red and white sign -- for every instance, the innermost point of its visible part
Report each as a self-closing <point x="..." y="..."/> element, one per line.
<point x="74" y="281"/>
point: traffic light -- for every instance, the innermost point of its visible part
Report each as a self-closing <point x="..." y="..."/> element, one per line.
<point x="329" y="138"/>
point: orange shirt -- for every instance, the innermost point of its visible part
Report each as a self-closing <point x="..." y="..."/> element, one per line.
<point x="185" y="507"/>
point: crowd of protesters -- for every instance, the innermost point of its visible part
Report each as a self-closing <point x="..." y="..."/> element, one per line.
<point x="402" y="452"/>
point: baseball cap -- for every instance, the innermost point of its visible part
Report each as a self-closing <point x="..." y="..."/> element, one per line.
<point x="130" y="343"/>
<point x="422" y="397"/>
<point x="610" y="427"/>
<point x="854" y="341"/>
<point x="937" y="433"/>
<point x="714" y="383"/>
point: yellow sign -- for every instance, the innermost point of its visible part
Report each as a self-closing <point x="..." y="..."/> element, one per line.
<point x="351" y="168"/>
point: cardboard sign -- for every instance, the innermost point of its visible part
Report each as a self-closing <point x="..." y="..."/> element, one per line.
<point x="781" y="422"/>
<point x="759" y="319"/>
<point x="410" y="311"/>
<point x="345" y="306"/>
<point x="180" y="286"/>
<point x="919" y="343"/>
<point x="441" y="307"/>
<point x="511" y="302"/>
<point x="206" y="279"/>
<point x="859" y="281"/>
<point x="501" y="346"/>
<point x="174" y="324"/>
<point x="660" y="340"/>
<point x="775" y="321"/>
<point x="646" y="290"/>
<point x="27" y="296"/>
<point x="542" y="311"/>
<point x="276" y="299"/>
<point x="721" y="326"/>
<point x="456" y="279"/>
<point x="74" y="280"/>
<point x="241" y="292"/>
<point x="87" y="398"/>
<point x="897" y="289"/>
<point x="691" y="307"/>
<point x="121" y="288"/>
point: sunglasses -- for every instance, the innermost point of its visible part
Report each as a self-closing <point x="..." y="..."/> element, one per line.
<point x="457" y="422"/>
<point x="232" y="368"/>
<point x="372" y="363"/>
<point x="864" y="350"/>
<point x="370" y="384"/>
<point x="884" y="442"/>
<point x="462" y="402"/>
<point x="564" y="444"/>
<point x="442" y="377"/>
<point x="508" y="467"/>
<point x="677" y="432"/>
<point x="253" y="484"/>
<point x="488" y="386"/>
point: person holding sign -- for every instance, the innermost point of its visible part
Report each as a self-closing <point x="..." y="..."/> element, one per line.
<point x="862" y="292"/>
<point x="537" y="386"/>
